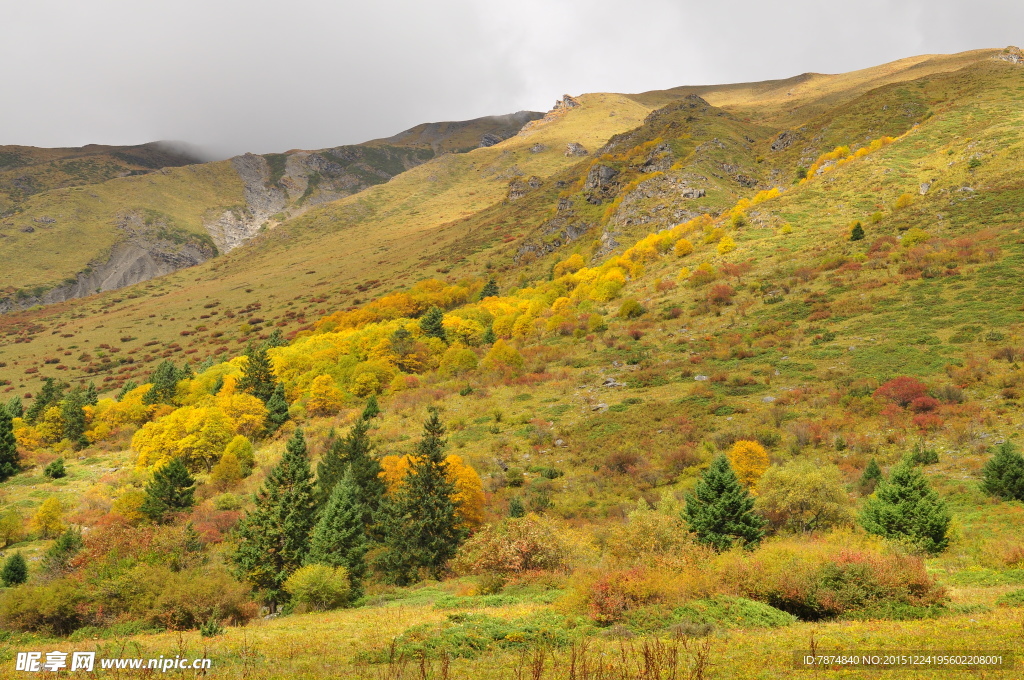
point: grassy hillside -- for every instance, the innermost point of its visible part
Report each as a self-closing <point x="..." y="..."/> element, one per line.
<point x="633" y="340"/>
<point x="26" y="171"/>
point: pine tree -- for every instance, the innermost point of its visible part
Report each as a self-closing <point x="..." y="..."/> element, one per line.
<point x="490" y="289"/>
<point x="339" y="538"/>
<point x="489" y="336"/>
<point x="1003" y="475"/>
<point x="14" y="407"/>
<point x="72" y="415"/>
<point x="273" y="539"/>
<point x="515" y="507"/>
<point x="418" y="521"/>
<point x="171" y="490"/>
<point x="353" y="451"/>
<point x="277" y="409"/>
<point x="58" y="558"/>
<point x="872" y="473"/>
<point x="432" y="325"/>
<point x="257" y="376"/>
<point x="372" y="410"/>
<point x="276" y="339"/>
<point x="91" y="396"/>
<point x="720" y="511"/>
<point x="9" y="458"/>
<point x="51" y="393"/>
<point x="857" y="233"/>
<point x="165" y="384"/>
<point x="15" y="571"/>
<point x="55" y="470"/>
<point x="905" y="507"/>
<point x="126" y="388"/>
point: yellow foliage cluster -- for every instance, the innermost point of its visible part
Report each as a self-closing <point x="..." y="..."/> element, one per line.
<point x="199" y="433"/>
<point x="469" y="490"/>
<point x="749" y="461"/>
<point x="421" y="297"/>
<point x="841" y="155"/>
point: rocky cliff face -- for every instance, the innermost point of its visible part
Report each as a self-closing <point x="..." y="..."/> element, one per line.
<point x="232" y="228"/>
<point x="151" y="248"/>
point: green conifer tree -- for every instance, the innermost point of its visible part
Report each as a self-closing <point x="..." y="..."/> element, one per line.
<point x="273" y="538"/>
<point x="276" y="339"/>
<point x="431" y="324"/>
<point x="91" y="397"/>
<point x="905" y="507"/>
<point x="165" y="384"/>
<point x="720" y="511"/>
<point x="15" y="571"/>
<point x="354" y="452"/>
<point x="277" y="409"/>
<point x="10" y="460"/>
<point x="15" y="408"/>
<point x="55" y="470"/>
<point x="857" y="233"/>
<point x="51" y="393"/>
<point x="418" y="522"/>
<point x="257" y="375"/>
<point x="339" y="538"/>
<point x="872" y="473"/>
<point x="489" y="337"/>
<point x="490" y="289"/>
<point x="57" y="559"/>
<point x="171" y="490"/>
<point x="1003" y="474"/>
<point x="72" y="416"/>
<point x="372" y="409"/>
<point x="126" y="388"/>
<point x="515" y="507"/>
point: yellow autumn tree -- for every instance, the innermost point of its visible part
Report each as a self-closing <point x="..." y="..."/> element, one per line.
<point x="726" y="245"/>
<point x="469" y="489"/>
<point x="456" y="360"/>
<point x="47" y="521"/>
<point x="682" y="248"/>
<point x="749" y="461"/>
<point x="503" y="359"/>
<point x="227" y="472"/>
<point x="572" y="264"/>
<point x="246" y="414"/>
<point x="325" y="399"/>
<point x="196" y="434"/>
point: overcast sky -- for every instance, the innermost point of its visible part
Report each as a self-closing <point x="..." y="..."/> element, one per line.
<point x="253" y="75"/>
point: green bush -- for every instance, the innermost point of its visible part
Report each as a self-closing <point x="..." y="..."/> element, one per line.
<point x="1014" y="598"/>
<point x="630" y="309"/>
<point x="467" y="636"/>
<point x="319" y="587"/>
<point x="191" y="598"/>
<point x="50" y="608"/>
<point x="55" y="470"/>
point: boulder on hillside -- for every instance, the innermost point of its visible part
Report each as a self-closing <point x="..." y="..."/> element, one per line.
<point x="575" y="149"/>
<point x="1011" y="54"/>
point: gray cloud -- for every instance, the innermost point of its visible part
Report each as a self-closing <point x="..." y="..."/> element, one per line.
<point x="255" y="75"/>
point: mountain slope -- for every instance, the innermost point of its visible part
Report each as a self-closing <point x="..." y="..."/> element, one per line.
<point x="465" y="213"/>
<point x="66" y="241"/>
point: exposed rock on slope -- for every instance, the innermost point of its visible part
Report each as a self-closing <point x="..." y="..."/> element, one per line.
<point x="152" y="247"/>
<point x="234" y="227"/>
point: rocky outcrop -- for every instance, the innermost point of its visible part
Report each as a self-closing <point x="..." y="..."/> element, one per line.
<point x="518" y="188"/>
<point x="232" y="228"/>
<point x="1011" y="54"/>
<point x="566" y="102"/>
<point x="575" y="149"/>
<point x="490" y="139"/>
<point x="783" y="141"/>
<point x="150" y="249"/>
